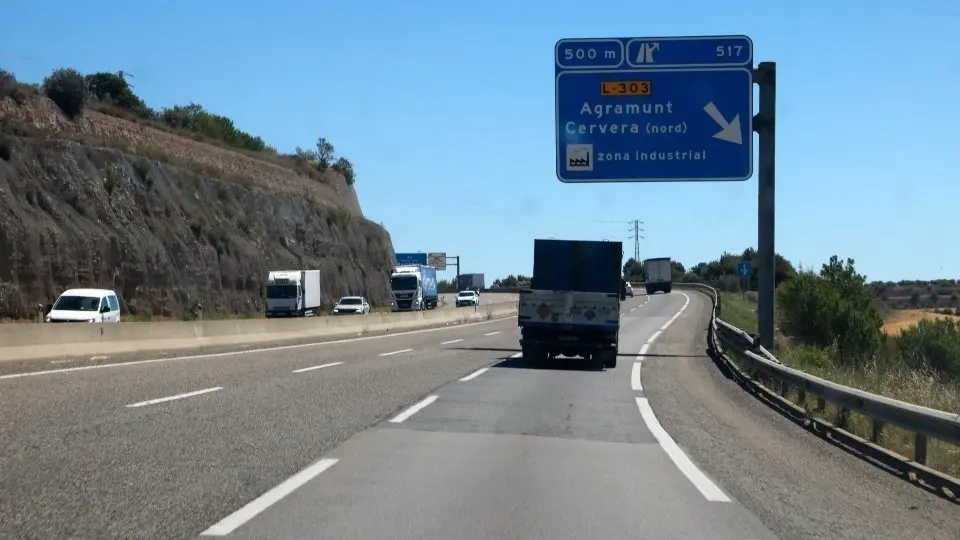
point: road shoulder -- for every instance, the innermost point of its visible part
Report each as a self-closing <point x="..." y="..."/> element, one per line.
<point x="807" y="488"/>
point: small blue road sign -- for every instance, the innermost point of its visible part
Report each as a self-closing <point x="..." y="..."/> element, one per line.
<point x="411" y="258"/>
<point x="702" y="267"/>
<point x="744" y="269"/>
<point x="668" y="109"/>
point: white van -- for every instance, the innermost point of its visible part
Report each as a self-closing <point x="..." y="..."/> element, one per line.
<point x="86" y="305"/>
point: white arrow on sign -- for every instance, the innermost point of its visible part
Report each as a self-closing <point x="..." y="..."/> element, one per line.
<point x="729" y="132"/>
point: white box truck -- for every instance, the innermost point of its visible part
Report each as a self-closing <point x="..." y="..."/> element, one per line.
<point x="659" y="273"/>
<point x="293" y="293"/>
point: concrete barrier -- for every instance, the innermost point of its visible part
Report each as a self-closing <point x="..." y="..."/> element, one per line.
<point x="35" y="341"/>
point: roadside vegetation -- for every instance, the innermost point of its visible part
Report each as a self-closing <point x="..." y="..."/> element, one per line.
<point x="112" y="94"/>
<point x="830" y="322"/>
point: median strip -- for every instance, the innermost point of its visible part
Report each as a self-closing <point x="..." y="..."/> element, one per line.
<point x="178" y="396"/>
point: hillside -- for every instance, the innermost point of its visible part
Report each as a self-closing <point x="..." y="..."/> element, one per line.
<point x="167" y="217"/>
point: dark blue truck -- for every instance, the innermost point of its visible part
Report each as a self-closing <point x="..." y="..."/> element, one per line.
<point x="573" y="305"/>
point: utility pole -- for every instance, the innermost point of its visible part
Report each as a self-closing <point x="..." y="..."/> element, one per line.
<point x="636" y="234"/>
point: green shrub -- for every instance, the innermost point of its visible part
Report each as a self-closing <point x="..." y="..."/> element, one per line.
<point x="68" y="89"/>
<point x="833" y="309"/>
<point x="934" y="343"/>
<point x="113" y="89"/>
<point x="344" y="167"/>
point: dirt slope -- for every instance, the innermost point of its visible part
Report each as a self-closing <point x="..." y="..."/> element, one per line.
<point x="165" y="220"/>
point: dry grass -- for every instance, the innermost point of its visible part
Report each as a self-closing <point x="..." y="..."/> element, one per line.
<point x="891" y="379"/>
<point x="897" y="320"/>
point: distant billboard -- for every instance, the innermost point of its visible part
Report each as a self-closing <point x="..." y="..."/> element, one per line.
<point x="437" y="260"/>
<point x="411" y="258"/>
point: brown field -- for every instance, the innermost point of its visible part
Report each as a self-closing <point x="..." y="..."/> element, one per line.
<point x="898" y="319"/>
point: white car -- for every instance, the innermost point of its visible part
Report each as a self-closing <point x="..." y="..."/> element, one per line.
<point x="352" y="305"/>
<point x="468" y="298"/>
<point x="629" y="289"/>
<point x="85" y="305"/>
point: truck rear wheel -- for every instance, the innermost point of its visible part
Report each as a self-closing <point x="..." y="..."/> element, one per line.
<point x="609" y="359"/>
<point x="534" y="355"/>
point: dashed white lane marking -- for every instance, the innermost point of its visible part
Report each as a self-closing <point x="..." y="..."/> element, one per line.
<point x="230" y="523"/>
<point x="474" y="375"/>
<point x="391" y="353"/>
<point x="632" y="309"/>
<point x="178" y="396"/>
<point x="321" y="366"/>
<point x="493" y="333"/>
<point x="237" y="353"/>
<point x="452" y="341"/>
<point x="703" y="484"/>
<point x="413" y="410"/>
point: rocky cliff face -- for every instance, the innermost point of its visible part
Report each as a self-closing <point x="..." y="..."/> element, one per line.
<point x="166" y="221"/>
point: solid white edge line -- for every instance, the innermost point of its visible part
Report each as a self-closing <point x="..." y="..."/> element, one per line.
<point x="703" y="484"/>
<point x="413" y="410"/>
<point x="391" y="353"/>
<point x="230" y="523"/>
<point x="494" y="333"/>
<point x="474" y="375"/>
<point x="452" y="341"/>
<point x="178" y="396"/>
<point x="635" y="377"/>
<point x="654" y="337"/>
<point x="245" y="351"/>
<point x="311" y="368"/>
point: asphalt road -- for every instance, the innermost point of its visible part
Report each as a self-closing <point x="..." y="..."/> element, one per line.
<point x="299" y="443"/>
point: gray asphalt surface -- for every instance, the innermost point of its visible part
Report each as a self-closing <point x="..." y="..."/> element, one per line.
<point x="510" y="453"/>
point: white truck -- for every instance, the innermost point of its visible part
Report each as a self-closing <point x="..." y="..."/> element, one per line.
<point x="414" y="287"/>
<point x="293" y="293"/>
<point x="659" y="273"/>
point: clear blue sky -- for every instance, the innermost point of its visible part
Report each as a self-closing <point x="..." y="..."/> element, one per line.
<point x="446" y="110"/>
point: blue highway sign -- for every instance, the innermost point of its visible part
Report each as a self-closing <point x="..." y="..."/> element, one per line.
<point x="668" y="109"/>
<point x="411" y="258"/>
<point x="744" y="269"/>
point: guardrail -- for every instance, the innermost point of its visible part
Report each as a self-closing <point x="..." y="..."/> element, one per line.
<point x="923" y="422"/>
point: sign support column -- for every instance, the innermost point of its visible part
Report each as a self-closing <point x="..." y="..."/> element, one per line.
<point x="765" y="125"/>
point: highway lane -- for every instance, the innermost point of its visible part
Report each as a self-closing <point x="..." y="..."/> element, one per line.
<point x="79" y="461"/>
<point x="508" y="452"/>
<point x="514" y="452"/>
<point x="800" y="485"/>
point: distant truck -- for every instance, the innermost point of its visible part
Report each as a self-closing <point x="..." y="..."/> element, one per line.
<point x="659" y="273"/>
<point x="573" y="305"/>
<point x="414" y="287"/>
<point x="293" y="293"/>
<point x="470" y="282"/>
